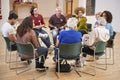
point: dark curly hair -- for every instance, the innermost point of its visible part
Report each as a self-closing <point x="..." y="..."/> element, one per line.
<point x="32" y="10"/>
<point x="79" y="9"/>
<point x="108" y="16"/>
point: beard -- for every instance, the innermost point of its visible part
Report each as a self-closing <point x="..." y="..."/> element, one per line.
<point x="12" y="23"/>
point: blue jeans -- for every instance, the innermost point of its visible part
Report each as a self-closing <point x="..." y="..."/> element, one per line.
<point x="45" y="40"/>
<point x="41" y="51"/>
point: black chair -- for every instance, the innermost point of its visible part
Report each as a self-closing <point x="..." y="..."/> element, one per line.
<point x="89" y="26"/>
<point x="110" y="46"/>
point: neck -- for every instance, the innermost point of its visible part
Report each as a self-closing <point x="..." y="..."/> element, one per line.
<point x="9" y="21"/>
<point x="35" y="15"/>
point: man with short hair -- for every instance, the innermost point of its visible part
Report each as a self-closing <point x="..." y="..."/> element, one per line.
<point x="57" y="22"/>
<point x="8" y="30"/>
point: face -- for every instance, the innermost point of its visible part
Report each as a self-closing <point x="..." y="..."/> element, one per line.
<point x="104" y="16"/>
<point x="97" y="16"/>
<point x="35" y="11"/>
<point x="80" y="13"/>
<point x="58" y="12"/>
<point x="13" y="21"/>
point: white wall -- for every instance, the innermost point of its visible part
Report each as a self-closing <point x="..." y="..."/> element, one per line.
<point x="5" y="11"/>
<point x="110" y="5"/>
<point x="46" y="7"/>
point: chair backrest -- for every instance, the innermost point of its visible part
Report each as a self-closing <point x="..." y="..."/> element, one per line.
<point x="89" y="26"/>
<point x="70" y="51"/>
<point x="25" y="51"/>
<point x="100" y="48"/>
<point x="7" y="41"/>
<point x="114" y="34"/>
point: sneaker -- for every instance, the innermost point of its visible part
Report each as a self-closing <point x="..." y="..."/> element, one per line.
<point x="83" y="61"/>
<point x="29" y="61"/>
<point x="77" y="63"/>
<point x="43" y="35"/>
<point x="41" y="68"/>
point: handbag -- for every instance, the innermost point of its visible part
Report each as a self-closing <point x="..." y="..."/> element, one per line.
<point x="64" y="67"/>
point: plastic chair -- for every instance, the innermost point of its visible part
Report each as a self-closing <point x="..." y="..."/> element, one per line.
<point x="110" y="46"/>
<point x="9" y="49"/>
<point x="99" y="50"/>
<point x="27" y="52"/>
<point x="89" y="26"/>
<point x="68" y="52"/>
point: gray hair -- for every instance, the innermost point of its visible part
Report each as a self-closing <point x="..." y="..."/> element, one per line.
<point x="101" y="21"/>
<point x="72" y="22"/>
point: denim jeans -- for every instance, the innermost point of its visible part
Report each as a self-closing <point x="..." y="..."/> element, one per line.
<point x="45" y="40"/>
<point x="42" y="51"/>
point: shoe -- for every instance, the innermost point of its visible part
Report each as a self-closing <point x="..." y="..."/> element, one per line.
<point x="29" y="61"/>
<point x="77" y="63"/>
<point x="43" y="35"/>
<point x="41" y="68"/>
<point x="83" y="61"/>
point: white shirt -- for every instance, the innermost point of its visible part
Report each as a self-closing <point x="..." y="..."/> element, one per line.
<point x="98" y="34"/>
<point x="7" y="29"/>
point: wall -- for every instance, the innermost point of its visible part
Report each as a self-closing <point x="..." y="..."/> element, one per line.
<point x="46" y="7"/>
<point x="5" y="11"/>
<point x="101" y="5"/>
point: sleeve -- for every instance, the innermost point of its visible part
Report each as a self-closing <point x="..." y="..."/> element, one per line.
<point x="34" y="40"/>
<point x="60" y="36"/>
<point x="64" y="20"/>
<point x="81" y="24"/>
<point x="51" y="21"/>
<point x="92" y="38"/>
<point x="42" y="20"/>
<point x="12" y="31"/>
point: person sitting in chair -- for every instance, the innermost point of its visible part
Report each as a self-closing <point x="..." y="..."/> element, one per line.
<point x="69" y="36"/>
<point x="26" y="34"/>
<point x="8" y="30"/>
<point x="100" y="33"/>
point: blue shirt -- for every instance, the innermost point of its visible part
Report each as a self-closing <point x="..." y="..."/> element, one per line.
<point x="110" y="28"/>
<point x="70" y="36"/>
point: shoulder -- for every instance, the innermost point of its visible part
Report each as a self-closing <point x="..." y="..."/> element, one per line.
<point x="84" y="18"/>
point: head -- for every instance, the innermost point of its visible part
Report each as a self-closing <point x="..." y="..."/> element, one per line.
<point x="97" y="15"/>
<point x="101" y="21"/>
<point x="25" y="26"/>
<point x="58" y="11"/>
<point x="12" y="18"/>
<point x="72" y="23"/>
<point x="79" y="11"/>
<point x="107" y="15"/>
<point x="34" y="10"/>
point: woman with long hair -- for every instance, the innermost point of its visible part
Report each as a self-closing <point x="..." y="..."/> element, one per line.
<point x="26" y="34"/>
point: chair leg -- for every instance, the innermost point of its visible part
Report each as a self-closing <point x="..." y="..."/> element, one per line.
<point x="103" y="63"/>
<point x="94" y="68"/>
